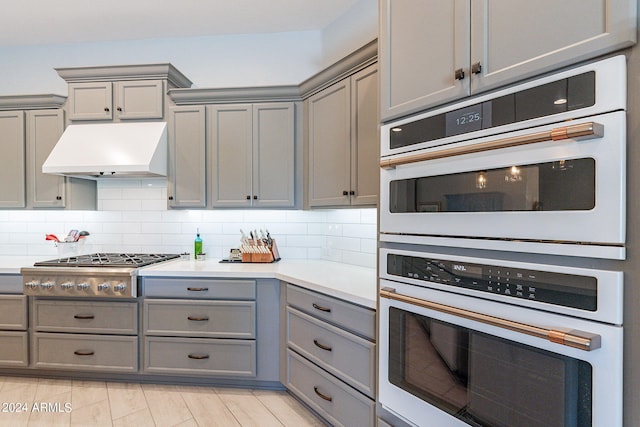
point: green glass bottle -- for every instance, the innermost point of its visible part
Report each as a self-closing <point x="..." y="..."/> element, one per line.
<point x="197" y="245"/>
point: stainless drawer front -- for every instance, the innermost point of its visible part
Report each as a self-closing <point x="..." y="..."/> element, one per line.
<point x="85" y="352"/>
<point x="80" y="316"/>
<point x="347" y="356"/>
<point x="197" y="356"/>
<point x="219" y="319"/>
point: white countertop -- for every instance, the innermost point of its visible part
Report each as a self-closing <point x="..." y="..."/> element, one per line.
<point x="13" y="264"/>
<point x="349" y="282"/>
<point x="344" y="281"/>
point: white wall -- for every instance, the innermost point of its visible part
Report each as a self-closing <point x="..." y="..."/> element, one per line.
<point x="218" y="61"/>
<point x="133" y="217"/>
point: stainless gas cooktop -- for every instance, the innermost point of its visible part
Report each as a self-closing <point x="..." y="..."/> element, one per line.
<point x="98" y="275"/>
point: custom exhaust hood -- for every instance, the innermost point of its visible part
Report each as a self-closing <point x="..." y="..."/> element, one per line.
<point x="110" y="150"/>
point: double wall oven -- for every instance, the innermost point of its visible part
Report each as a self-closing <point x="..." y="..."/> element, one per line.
<point x="474" y="328"/>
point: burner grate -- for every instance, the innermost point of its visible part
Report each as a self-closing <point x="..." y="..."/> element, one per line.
<point x="99" y="259"/>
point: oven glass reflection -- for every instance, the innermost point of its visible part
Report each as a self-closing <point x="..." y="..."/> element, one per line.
<point x="485" y="380"/>
<point x="563" y="185"/>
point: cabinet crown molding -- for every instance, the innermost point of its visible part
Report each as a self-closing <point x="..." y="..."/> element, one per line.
<point x="164" y="71"/>
<point x="350" y="64"/>
<point x="31" y="102"/>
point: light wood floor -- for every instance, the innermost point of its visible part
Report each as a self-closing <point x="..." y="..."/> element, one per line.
<point x="46" y="402"/>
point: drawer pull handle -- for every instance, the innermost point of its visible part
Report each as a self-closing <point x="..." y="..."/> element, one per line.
<point x="84" y="316"/>
<point x="84" y="353"/>
<point x="322" y="395"/>
<point x="322" y="346"/>
<point x="198" y="356"/>
<point x="321" y="308"/>
<point x="198" y="319"/>
<point x="198" y="289"/>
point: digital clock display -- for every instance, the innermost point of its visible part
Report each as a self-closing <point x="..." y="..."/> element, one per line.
<point x="468" y="119"/>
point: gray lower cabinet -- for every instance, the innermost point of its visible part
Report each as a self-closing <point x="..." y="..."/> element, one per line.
<point x="222" y="328"/>
<point x="14" y="342"/>
<point x="331" y="356"/>
<point x="84" y="335"/>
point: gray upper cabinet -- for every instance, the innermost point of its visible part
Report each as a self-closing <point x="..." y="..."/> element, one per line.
<point x="432" y="52"/>
<point x="30" y="126"/>
<point x="12" y="160"/>
<point x="343" y="142"/>
<point x="44" y="129"/>
<point x="133" y="100"/>
<point x="252" y="154"/>
<point x="186" y="183"/>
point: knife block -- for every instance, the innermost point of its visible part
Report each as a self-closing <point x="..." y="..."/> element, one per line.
<point x="253" y="255"/>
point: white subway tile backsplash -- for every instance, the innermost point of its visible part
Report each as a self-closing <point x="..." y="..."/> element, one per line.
<point x="133" y="217"/>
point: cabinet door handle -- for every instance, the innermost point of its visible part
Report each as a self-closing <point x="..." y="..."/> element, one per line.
<point x="198" y="356"/>
<point x="170" y="197"/>
<point x="321" y="308"/>
<point x="198" y="289"/>
<point x="248" y="197"/>
<point x="107" y="109"/>
<point x="322" y="395"/>
<point x="352" y="193"/>
<point x="198" y="319"/>
<point x="345" y="193"/>
<point x="84" y="352"/>
<point x="58" y="197"/>
<point x="458" y="74"/>
<point x="119" y="109"/>
<point x="322" y="346"/>
<point x="255" y="197"/>
<point x="476" y="68"/>
<point x="84" y="316"/>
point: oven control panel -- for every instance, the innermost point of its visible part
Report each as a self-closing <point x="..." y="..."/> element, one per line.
<point x="93" y="286"/>
<point x="562" y="289"/>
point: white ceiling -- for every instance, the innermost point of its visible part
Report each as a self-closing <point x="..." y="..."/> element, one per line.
<point x="73" y="21"/>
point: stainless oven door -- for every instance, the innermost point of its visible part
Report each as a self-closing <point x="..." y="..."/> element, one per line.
<point x="452" y="360"/>
<point x="569" y="191"/>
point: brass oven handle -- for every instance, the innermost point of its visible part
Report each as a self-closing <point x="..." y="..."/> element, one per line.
<point x="583" y="130"/>
<point x="322" y="395"/>
<point x="577" y="339"/>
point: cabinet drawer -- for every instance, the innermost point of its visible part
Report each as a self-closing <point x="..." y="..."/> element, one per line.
<point x="13" y="312"/>
<point x="199" y="288"/>
<point x="358" y="319"/>
<point x="345" y="355"/>
<point x="197" y="356"/>
<point x="218" y="319"/>
<point x="14" y="349"/>
<point x="335" y="401"/>
<point x="85" y="352"/>
<point x="86" y="316"/>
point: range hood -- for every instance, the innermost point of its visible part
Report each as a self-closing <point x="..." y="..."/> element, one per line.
<point x="110" y="150"/>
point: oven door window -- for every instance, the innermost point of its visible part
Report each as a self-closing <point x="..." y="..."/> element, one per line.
<point x="485" y="380"/>
<point x="565" y="185"/>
